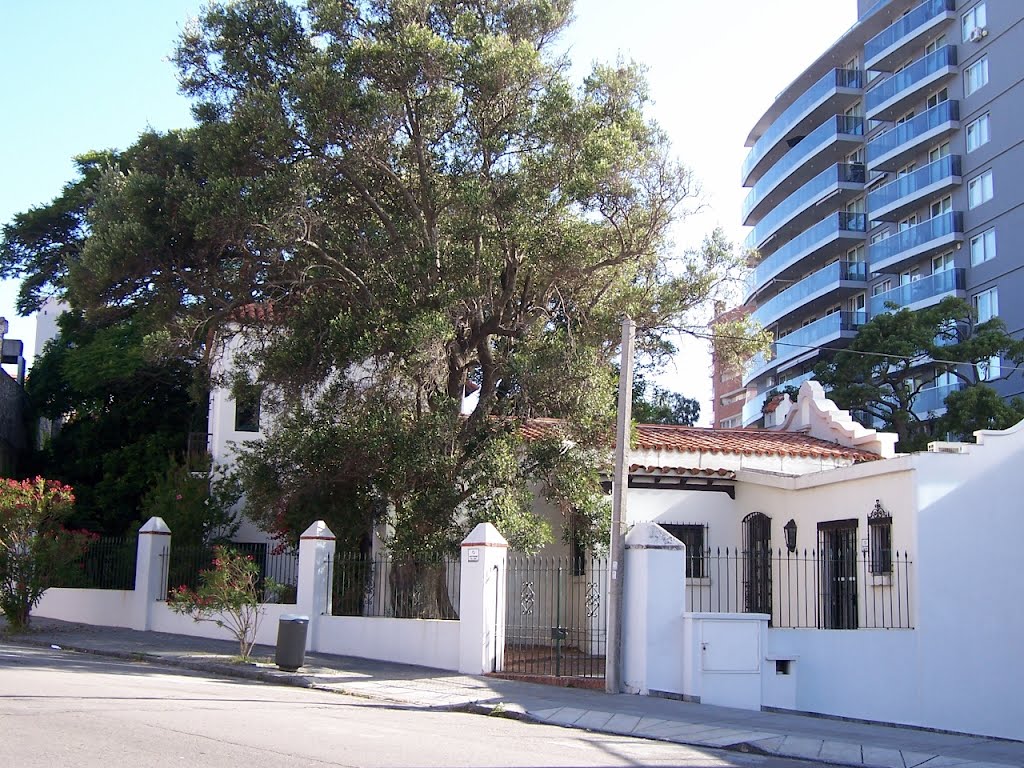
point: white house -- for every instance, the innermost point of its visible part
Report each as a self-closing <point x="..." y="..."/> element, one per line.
<point x="881" y="586"/>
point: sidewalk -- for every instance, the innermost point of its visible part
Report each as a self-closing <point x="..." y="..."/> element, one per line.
<point x="784" y="735"/>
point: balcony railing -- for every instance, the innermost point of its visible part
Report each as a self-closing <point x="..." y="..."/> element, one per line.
<point x="933" y="399"/>
<point x="795" y="249"/>
<point x="906" y="133"/>
<point x="829" y="131"/>
<point x="909" y="78"/>
<point x="913" y="184"/>
<point x="809" y="194"/>
<point x="798" y="293"/>
<point x="837" y="78"/>
<point x="914" y="239"/>
<point x="804" y="340"/>
<point x="906" y="26"/>
<point x="917" y="291"/>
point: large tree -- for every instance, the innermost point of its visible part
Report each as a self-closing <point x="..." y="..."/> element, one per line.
<point x="896" y="355"/>
<point x="391" y="202"/>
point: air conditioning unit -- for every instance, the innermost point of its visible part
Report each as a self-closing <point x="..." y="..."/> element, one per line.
<point x="977" y="34"/>
<point x="941" y="446"/>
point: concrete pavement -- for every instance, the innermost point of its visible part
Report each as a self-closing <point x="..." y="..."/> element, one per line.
<point x="781" y="734"/>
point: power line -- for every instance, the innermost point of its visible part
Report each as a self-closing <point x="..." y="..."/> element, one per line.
<point x="864" y="353"/>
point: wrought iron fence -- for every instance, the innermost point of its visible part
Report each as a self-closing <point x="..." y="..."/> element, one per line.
<point x="555" y="617"/>
<point x="399" y="587"/>
<point x="106" y="563"/>
<point x="183" y="565"/>
<point x="808" y="589"/>
<point x="390" y="586"/>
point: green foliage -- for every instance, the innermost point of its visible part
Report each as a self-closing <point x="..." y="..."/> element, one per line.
<point x="660" y="406"/>
<point x="197" y="507"/>
<point x="389" y="201"/>
<point x="889" y="363"/>
<point x="229" y="595"/>
<point x="36" y="551"/>
<point x="122" y="414"/>
<point x="979" y="407"/>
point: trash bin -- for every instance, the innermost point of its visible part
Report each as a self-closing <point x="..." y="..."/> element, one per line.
<point x="291" y="642"/>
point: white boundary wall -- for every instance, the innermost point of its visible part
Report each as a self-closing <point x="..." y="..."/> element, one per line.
<point x="429" y="643"/>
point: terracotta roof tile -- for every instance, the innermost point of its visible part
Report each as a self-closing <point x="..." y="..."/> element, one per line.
<point x="682" y="471"/>
<point x="745" y="442"/>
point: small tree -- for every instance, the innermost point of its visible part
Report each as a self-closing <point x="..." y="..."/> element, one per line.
<point x="35" y="549"/>
<point x="229" y="595"/>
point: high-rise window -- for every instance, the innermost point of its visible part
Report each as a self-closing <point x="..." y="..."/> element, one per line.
<point x="979" y="190"/>
<point x="983" y="247"/>
<point x="975" y="76"/>
<point x="977" y="133"/>
<point x="973" y="20"/>
<point x="986" y="304"/>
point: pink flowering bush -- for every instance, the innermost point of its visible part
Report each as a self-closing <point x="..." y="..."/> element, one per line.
<point x="36" y="551"/>
<point x="229" y="595"/>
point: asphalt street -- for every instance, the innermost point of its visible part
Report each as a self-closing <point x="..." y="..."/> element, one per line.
<point x="66" y="709"/>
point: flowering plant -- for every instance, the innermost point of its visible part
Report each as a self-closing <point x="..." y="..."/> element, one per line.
<point x="229" y="595"/>
<point x="35" y="549"/>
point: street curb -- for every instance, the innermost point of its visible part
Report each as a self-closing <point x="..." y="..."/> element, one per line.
<point x="513" y="712"/>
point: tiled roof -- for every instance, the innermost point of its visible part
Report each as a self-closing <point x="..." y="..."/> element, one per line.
<point x="641" y="469"/>
<point x="744" y="442"/>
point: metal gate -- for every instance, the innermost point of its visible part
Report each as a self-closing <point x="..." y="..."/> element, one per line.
<point x="556" y="617"/>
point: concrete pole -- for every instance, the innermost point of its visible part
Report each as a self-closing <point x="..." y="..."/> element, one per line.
<point x="620" y="486"/>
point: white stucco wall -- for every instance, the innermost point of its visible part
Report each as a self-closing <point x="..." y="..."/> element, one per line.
<point x="423" y="642"/>
<point x="166" y="620"/>
<point x="100" y="607"/>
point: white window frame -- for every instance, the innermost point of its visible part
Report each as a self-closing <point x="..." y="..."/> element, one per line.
<point x="976" y="76"/>
<point x="983" y="247"/>
<point x="978" y="133"/>
<point x="976" y="18"/>
<point x="980" y="189"/>
<point x="987" y="300"/>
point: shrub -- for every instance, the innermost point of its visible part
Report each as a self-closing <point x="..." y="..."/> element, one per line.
<point x="36" y="551"/>
<point x="229" y="595"/>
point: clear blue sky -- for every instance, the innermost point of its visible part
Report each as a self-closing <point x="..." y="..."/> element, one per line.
<point x="90" y="74"/>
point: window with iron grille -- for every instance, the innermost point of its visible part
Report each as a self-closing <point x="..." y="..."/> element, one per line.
<point x="693" y="537"/>
<point x="880" y="539"/>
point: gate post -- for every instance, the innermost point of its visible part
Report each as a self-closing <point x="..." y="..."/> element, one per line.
<point x="482" y="601"/>
<point x="152" y="553"/>
<point x="313" y="591"/>
<point x="655" y="600"/>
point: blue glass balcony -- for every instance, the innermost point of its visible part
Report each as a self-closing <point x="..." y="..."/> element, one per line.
<point x="806" y="340"/>
<point x="890" y="149"/>
<point x="752" y="408"/>
<point x="919" y="293"/>
<point x="836" y="82"/>
<point x="891" y="41"/>
<point x="889" y="202"/>
<point x="933" y="399"/>
<point x="889" y="98"/>
<point x="831" y="235"/>
<point x="848" y="176"/>
<point x="890" y="254"/>
<point x="821" y="283"/>
<point x="838" y="128"/>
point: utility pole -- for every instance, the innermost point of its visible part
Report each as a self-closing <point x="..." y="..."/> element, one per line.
<point x="620" y="485"/>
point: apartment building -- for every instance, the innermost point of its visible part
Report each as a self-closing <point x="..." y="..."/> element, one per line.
<point x="890" y="170"/>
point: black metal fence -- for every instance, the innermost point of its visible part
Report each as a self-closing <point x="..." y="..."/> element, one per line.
<point x="390" y="586"/>
<point x="555" y="617"/>
<point x="808" y="589"/>
<point x="182" y="566"/>
<point x="106" y="563"/>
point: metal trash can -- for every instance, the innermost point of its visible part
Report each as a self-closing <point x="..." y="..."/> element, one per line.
<point x="291" y="642"/>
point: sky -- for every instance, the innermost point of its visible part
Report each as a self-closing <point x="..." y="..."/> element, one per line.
<point x="78" y="75"/>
